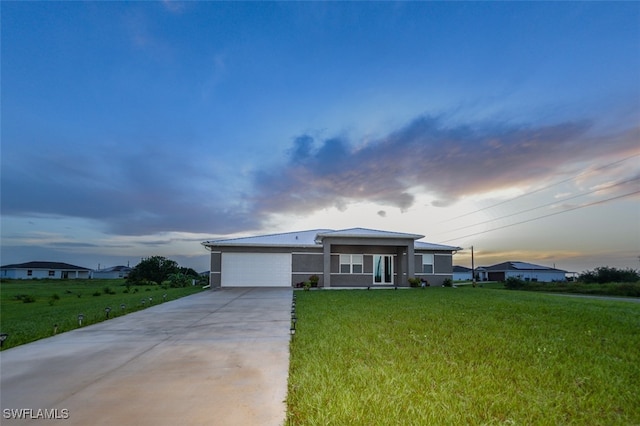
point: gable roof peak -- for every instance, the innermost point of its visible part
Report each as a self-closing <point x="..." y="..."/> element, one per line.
<point x="368" y="233"/>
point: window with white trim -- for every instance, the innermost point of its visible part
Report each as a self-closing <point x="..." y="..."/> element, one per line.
<point x="52" y="273"/>
<point x="351" y="263"/>
<point x="427" y="263"/>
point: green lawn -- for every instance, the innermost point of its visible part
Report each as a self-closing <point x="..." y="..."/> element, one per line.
<point x="448" y="356"/>
<point x="59" y="303"/>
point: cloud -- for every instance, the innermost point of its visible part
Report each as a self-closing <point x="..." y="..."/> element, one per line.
<point x="167" y="185"/>
<point x="427" y="155"/>
<point x="143" y="190"/>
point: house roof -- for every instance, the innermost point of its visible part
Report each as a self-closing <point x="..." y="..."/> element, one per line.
<point x="287" y="239"/>
<point x="367" y="233"/>
<point x="457" y="268"/>
<point x="313" y="238"/>
<point x="45" y="265"/>
<point x="520" y="266"/>
<point x="423" y="245"/>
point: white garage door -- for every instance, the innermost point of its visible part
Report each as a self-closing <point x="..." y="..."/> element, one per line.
<point x="256" y="270"/>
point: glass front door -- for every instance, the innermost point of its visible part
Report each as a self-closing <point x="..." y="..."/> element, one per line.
<point x="383" y="269"/>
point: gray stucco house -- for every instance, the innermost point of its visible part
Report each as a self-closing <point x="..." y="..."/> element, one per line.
<point x="355" y="257"/>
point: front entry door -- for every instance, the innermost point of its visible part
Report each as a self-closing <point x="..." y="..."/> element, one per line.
<point x="383" y="269"/>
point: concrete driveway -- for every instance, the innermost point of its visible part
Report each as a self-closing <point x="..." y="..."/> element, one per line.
<point x="213" y="358"/>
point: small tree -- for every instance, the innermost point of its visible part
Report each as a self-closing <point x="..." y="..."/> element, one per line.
<point x="155" y="268"/>
<point x="179" y="280"/>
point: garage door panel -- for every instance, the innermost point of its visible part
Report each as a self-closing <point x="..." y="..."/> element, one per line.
<point x="256" y="270"/>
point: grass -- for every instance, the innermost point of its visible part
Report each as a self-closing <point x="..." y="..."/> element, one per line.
<point x="614" y="289"/>
<point x="606" y="289"/>
<point x="59" y="302"/>
<point x="463" y="356"/>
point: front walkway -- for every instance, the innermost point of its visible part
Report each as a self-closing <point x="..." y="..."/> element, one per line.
<point x="213" y="358"/>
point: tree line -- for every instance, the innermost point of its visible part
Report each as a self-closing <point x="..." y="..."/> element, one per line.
<point x="160" y="270"/>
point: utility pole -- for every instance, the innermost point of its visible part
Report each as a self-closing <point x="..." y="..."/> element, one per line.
<point x="473" y="269"/>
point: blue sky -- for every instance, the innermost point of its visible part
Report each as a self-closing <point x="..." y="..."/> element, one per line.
<point x="144" y="128"/>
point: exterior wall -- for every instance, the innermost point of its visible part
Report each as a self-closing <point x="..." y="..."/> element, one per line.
<point x="110" y="275"/>
<point x="215" y="269"/>
<point x="462" y="276"/>
<point x="400" y="248"/>
<point x="533" y="275"/>
<point x="443" y="263"/>
<point x="442" y="267"/>
<point x="304" y="264"/>
<point x="106" y="275"/>
<point x="537" y="275"/>
<point x="324" y="261"/>
<point x="23" y="274"/>
<point x="354" y="280"/>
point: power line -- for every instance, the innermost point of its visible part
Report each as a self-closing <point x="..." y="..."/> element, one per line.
<point x="548" y="204"/>
<point x="544" y="216"/>
<point x="539" y="189"/>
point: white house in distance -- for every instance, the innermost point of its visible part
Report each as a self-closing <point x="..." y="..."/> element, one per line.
<point x="355" y="257"/>
<point x="462" y="273"/>
<point x="51" y="270"/>
<point x="113" y="272"/>
<point x="521" y="270"/>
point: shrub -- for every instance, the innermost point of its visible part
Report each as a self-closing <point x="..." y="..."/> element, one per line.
<point x="28" y="298"/>
<point x="447" y="282"/>
<point x="97" y="293"/>
<point x="513" y="283"/>
<point x="179" y="280"/>
<point x="414" y="282"/>
<point x="606" y="274"/>
<point x="314" y="280"/>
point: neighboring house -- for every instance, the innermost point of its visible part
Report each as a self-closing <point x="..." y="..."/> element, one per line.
<point x="481" y="274"/>
<point x="462" y="273"/>
<point x="354" y="257"/>
<point x="524" y="271"/>
<point x="53" y="270"/>
<point x="114" y="272"/>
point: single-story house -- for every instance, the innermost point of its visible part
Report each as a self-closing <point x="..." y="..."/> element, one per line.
<point x="113" y="272"/>
<point x="53" y="270"/>
<point x="524" y="271"/>
<point x="462" y="273"/>
<point x="355" y="257"/>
